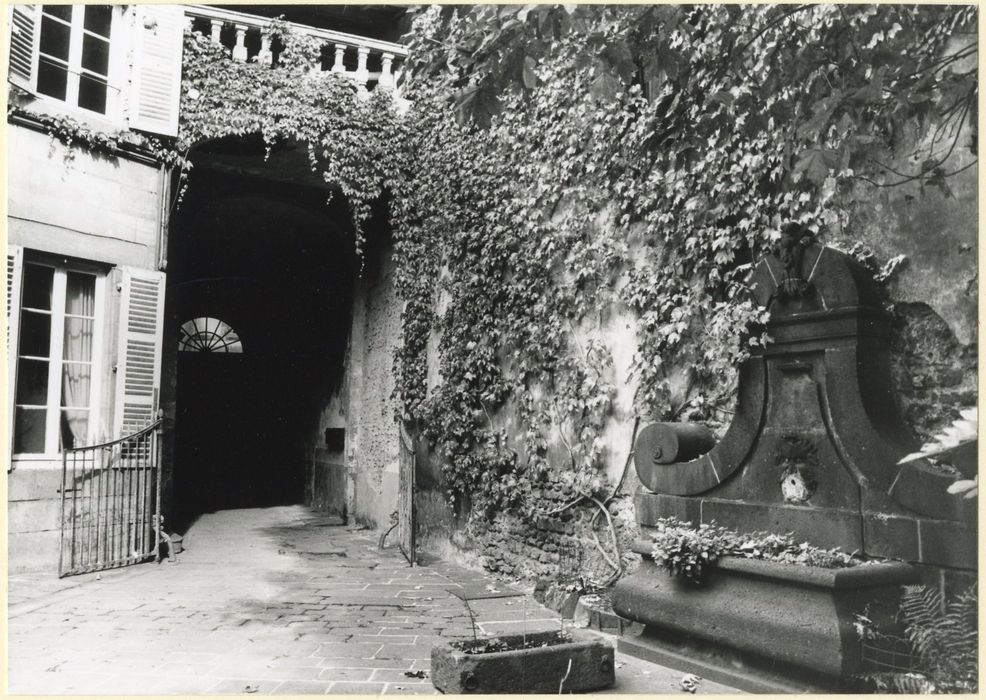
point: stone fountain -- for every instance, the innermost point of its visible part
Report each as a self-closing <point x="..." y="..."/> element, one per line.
<point x="812" y="450"/>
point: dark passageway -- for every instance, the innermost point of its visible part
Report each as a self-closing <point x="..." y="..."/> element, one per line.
<point x="260" y="280"/>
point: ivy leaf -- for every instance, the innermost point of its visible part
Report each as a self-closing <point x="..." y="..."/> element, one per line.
<point x="815" y="164"/>
<point x="604" y="86"/>
<point x="619" y="57"/>
<point x="722" y="97"/>
<point x="530" y="77"/>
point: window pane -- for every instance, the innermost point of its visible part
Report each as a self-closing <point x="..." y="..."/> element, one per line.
<point x="37" y="287"/>
<point x="61" y="11"/>
<point x="98" y="19"/>
<point x="80" y="294"/>
<point x="32" y="382"/>
<point x="29" y="430"/>
<point x="55" y="38"/>
<point x="35" y="334"/>
<point x="92" y="94"/>
<point x="78" y="340"/>
<point x="52" y="79"/>
<point x="74" y="429"/>
<point x="75" y="384"/>
<point x="95" y="54"/>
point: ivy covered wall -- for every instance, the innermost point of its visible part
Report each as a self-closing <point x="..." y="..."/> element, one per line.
<point x="592" y="186"/>
<point x="576" y="197"/>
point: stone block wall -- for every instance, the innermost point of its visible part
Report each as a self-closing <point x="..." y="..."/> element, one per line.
<point x="560" y="546"/>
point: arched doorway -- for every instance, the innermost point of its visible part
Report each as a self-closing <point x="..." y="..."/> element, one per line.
<point x="259" y="303"/>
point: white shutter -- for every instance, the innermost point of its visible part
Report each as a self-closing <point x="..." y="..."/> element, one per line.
<point x="138" y="367"/>
<point x="23" y="35"/>
<point x="156" y="73"/>
<point x="15" y="264"/>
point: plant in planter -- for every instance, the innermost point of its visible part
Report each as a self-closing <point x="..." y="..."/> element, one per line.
<point x="552" y="661"/>
<point x="690" y="552"/>
<point x="784" y="606"/>
<point x="541" y="662"/>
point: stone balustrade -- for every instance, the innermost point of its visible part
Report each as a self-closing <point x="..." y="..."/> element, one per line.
<point x="370" y="63"/>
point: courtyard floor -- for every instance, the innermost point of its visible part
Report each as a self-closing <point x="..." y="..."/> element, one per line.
<point x="270" y="601"/>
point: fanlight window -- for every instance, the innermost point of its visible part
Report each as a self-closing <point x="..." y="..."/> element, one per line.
<point x="208" y="335"/>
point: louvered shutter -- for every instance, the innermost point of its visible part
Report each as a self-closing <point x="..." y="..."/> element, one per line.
<point x="156" y="76"/>
<point x="138" y="368"/>
<point x="15" y="264"/>
<point x="23" y="35"/>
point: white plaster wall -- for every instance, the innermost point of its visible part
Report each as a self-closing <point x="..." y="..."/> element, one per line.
<point x="70" y="202"/>
<point x="73" y="204"/>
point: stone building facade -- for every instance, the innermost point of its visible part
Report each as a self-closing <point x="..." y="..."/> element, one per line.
<point x="238" y="318"/>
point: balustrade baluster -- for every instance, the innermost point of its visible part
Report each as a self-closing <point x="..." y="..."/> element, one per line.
<point x="240" y="50"/>
<point x="391" y="55"/>
<point x="339" y="65"/>
<point x="264" y="56"/>
<point x="386" y="71"/>
<point x="362" y="75"/>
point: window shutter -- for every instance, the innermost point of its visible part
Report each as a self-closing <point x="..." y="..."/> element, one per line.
<point x="15" y="263"/>
<point x="138" y="367"/>
<point x="23" y="32"/>
<point x="156" y="73"/>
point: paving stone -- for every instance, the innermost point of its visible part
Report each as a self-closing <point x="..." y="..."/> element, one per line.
<point x="297" y="673"/>
<point x="347" y="674"/>
<point x="239" y="686"/>
<point x="389" y="675"/>
<point x="412" y="689"/>
<point x="404" y="651"/>
<point x="346" y="688"/>
<point x="346" y="650"/>
<point x="404" y="664"/>
<point x="232" y="613"/>
<point x="302" y="688"/>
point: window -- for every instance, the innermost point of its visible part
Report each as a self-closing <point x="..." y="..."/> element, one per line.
<point x="57" y="358"/>
<point x="74" y="54"/>
<point x="208" y="335"/>
<point x="108" y="63"/>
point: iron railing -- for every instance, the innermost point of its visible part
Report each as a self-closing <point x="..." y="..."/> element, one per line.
<point x="111" y="504"/>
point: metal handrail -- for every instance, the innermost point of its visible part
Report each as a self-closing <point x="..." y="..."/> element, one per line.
<point x="125" y="438"/>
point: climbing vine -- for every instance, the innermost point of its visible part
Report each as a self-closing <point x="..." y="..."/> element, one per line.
<point x="595" y="175"/>
<point x="575" y="178"/>
<point x="354" y="141"/>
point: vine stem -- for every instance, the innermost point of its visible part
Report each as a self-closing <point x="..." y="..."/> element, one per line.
<point x="565" y="677"/>
<point x="612" y="531"/>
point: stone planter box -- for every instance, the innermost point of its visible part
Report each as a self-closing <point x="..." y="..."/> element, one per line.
<point x="534" y="670"/>
<point x="797" y="616"/>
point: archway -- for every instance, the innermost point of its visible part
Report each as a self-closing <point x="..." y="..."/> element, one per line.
<point x="258" y="262"/>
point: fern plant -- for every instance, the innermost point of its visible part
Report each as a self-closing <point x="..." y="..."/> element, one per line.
<point x="944" y="639"/>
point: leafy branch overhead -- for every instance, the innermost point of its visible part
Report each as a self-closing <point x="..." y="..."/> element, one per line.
<point x="840" y="83"/>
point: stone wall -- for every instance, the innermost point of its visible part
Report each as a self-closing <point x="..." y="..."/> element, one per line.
<point x="934" y="297"/>
<point x="366" y="399"/>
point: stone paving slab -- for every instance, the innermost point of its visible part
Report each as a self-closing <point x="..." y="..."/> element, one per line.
<point x="263" y="601"/>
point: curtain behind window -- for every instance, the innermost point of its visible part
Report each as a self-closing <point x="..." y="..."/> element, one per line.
<point x="80" y="309"/>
